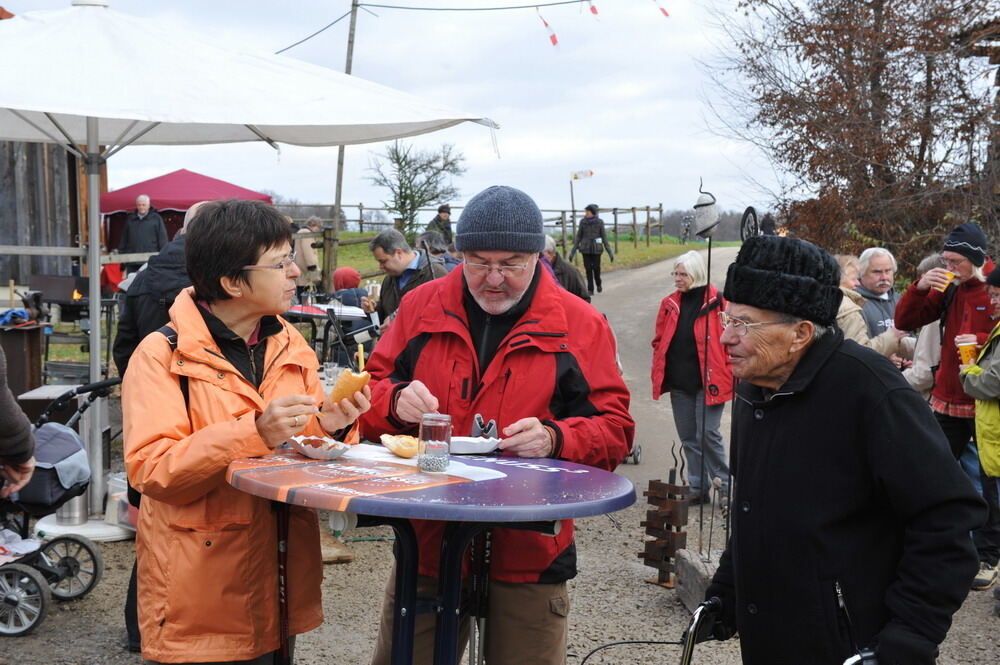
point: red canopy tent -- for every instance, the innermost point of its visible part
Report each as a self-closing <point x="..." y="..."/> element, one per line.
<point x="176" y="191"/>
<point x="171" y="194"/>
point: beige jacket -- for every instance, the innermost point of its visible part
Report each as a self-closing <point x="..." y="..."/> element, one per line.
<point x="851" y="321"/>
<point x="305" y="258"/>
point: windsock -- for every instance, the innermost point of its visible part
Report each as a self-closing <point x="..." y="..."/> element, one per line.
<point x="593" y="9"/>
<point x="662" y="10"/>
<point x="552" y="33"/>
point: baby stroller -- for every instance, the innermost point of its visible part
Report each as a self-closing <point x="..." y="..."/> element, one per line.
<point x="65" y="567"/>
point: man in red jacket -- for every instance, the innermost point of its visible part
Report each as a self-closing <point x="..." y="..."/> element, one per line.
<point x="964" y="307"/>
<point x="500" y="338"/>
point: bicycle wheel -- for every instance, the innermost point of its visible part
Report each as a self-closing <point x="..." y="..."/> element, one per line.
<point x="749" y="226"/>
<point x="72" y="565"/>
<point x="24" y="599"/>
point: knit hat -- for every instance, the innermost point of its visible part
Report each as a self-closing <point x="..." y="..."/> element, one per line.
<point x="346" y="278"/>
<point x="993" y="279"/>
<point x="592" y="208"/>
<point x="500" y="218"/>
<point x="969" y="241"/>
<point x="786" y="275"/>
<point x="444" y="208"/>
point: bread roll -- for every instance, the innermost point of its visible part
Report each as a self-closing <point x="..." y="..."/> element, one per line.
<point x="347" y="384"/>
<point x="402" y="445"/>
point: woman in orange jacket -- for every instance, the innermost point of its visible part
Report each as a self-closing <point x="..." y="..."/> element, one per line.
<point x="228" y="379"/>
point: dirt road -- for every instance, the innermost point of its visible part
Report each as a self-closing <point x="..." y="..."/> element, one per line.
<point x="611" y="600"/>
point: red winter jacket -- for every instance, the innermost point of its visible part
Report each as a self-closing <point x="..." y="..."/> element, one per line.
<point x="563" y="374"/>
<point x="969" y="312"/>
<point x="720" y="374"/>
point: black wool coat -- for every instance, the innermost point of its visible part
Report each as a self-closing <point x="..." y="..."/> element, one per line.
<point x="851" y="518"/>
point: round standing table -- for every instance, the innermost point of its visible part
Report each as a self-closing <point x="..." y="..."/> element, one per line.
<point x="475" y="494"/>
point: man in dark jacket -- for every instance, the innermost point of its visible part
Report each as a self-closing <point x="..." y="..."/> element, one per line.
<point x="442" y="223"/>
<point x="566" y="273"/>
<point x="851" y="520"/>
<point x="143" y="232"/>
<point x="405" y="269"/>
<point x="500" y="338"/>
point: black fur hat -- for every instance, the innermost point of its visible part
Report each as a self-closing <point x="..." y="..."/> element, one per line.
<point x="786" y="275"/>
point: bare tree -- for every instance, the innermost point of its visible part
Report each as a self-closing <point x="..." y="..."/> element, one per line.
<point x="868" y="110"/>
<point x="416" y="178"/>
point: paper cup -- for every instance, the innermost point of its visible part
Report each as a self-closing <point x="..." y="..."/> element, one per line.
<point x="951" y="276"/>
<point x="968" y="353"/>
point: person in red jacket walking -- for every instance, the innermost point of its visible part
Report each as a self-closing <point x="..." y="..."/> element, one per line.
<point x="963" y="305"/>
<point x="499" y="337"/>
<point x="693" y="368"/>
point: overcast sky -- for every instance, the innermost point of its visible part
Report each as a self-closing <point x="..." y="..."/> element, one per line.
<point x="620" y="95"/>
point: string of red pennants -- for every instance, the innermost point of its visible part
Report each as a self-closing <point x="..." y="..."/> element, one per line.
<point x="554" y="39"/>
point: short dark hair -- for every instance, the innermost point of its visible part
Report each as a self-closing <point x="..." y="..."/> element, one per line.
<point x="389" y="241"/>
<point x="229" y="235"/>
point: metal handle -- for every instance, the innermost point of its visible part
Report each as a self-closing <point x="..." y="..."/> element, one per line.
<point x="864" y="657"/>
<point x="707" y="609"/>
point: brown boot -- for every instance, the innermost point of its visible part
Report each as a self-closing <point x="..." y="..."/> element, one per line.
<point x="333" y="549"/>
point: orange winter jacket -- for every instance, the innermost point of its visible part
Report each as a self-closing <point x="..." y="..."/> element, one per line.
<point x="207" y="553"/>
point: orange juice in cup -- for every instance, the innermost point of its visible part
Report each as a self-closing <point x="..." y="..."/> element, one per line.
<point x="968" y="352"/>
<point x="950" y="275"/>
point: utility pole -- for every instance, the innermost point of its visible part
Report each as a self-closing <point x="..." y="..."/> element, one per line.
<point x="330" y="240"/>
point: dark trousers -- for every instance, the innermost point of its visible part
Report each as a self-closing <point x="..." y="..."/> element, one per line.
<point x="959" y="431"/>
<point x="592" y="264"/>
<point x="131" y="611"/>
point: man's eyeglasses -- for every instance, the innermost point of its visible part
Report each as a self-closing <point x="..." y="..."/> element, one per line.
<point x="505" y="271"/>
<point x="743" y="327"/>
<point x="951" y="263"/>
<point x="283" y="265"/>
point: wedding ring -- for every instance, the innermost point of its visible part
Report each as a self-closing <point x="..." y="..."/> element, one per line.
<point x="296" y="421"/>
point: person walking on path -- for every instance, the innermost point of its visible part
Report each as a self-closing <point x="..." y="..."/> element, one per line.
<point x="851" y="522"/>
<point x="144" y="231"/>
<point x="500" y="338"/>
<point x="592" y="241"/>
<point x="692" y="366"/>
<point x="963" y="306"/>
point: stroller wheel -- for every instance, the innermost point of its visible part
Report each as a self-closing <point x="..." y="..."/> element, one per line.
<point x="24" y="599"/>
<point x="636" y="454"/>
<point x="72" y="565"/>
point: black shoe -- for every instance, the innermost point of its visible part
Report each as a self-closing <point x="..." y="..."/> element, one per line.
<point x="599" y="289"/>
<point x="130" y="646"/>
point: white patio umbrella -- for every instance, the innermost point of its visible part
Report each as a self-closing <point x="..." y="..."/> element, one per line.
<point x="87" y="75"/>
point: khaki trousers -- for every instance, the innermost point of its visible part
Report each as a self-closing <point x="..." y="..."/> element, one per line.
<point x="527" y="625"/>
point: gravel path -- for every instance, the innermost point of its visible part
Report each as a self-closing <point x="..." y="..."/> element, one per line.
<point x="611" y="600"/>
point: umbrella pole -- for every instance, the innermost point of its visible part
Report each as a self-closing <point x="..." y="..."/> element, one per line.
<point x="95" y="446"/>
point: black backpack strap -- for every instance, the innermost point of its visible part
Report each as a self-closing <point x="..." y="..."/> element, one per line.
<point x="171" y="336"/>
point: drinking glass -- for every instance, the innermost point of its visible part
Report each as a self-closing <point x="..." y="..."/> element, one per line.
<point x="435" y="442"/>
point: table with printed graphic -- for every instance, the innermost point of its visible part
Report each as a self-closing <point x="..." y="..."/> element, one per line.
<point x="478" y="492"/>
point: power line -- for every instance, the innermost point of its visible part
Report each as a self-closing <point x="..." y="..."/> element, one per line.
<point x="474" y="9"/>
<point x="432" y="9"/>
<point x="325" y="27"/>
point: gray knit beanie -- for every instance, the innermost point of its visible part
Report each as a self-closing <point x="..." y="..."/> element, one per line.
<point x="500" y="218"/>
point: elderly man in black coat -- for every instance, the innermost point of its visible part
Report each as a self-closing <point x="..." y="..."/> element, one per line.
<point x="851" y="518"/>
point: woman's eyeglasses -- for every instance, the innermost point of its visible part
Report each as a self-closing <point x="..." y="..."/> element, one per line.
<point x="283" y="265"/>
